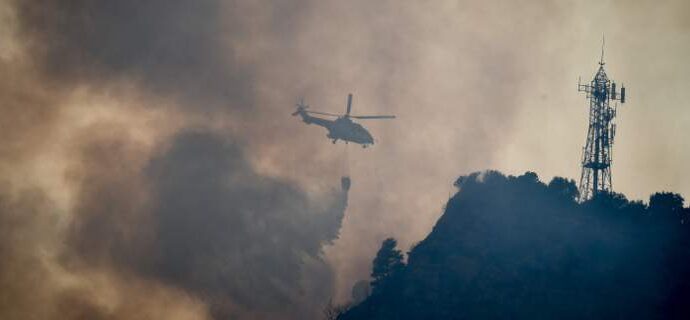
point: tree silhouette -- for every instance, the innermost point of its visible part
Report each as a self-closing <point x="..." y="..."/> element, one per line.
<point x="564" y="188"/>
<point x="333" y="311"/>
<point x="388" y="262"/>
<point x="667" y="202"/>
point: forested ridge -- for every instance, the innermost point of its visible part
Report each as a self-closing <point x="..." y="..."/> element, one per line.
<point x="512" y="247"/>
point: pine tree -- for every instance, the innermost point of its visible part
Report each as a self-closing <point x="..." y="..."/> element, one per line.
<point x="388" y="263"/>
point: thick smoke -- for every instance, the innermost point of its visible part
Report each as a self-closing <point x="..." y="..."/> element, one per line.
<point x="38" y="285"/>
<point x="455" y="72"/>
<point x="196" y="218"/>
<point x="27" y="115"/>
<point x="173" y="47"/>
<point x="199" y="51"/>
<point x="227" y="232"/>
<point x="200" y="218"/>
<point x="22" y="290"/>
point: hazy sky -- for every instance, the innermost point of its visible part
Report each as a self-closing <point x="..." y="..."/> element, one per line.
<point x="95" y="93"/>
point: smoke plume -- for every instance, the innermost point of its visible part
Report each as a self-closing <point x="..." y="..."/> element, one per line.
<point x="149" y="161"/>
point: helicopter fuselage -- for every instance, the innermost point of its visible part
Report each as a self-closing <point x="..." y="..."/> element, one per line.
<point x="342" y="128"/>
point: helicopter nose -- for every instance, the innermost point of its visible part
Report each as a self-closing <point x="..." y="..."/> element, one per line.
<point x="368" y="138"/>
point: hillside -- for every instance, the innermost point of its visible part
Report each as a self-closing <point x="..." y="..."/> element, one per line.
<point x="515" y="248"/>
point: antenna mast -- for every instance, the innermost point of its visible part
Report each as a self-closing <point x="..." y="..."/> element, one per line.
<point x="596" y="155"/>
<point x="603" y="42"/>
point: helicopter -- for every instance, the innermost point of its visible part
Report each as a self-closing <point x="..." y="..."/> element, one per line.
<point x="342" y="128"/>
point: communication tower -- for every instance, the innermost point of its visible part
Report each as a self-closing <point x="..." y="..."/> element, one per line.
<point x="596" y="155"/>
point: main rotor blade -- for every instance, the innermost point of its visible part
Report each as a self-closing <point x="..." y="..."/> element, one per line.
<point x="373" y="117"/>
<point x="349" y="104"/>
<point x="300" y="104"/>
<point x="324" y="113"/>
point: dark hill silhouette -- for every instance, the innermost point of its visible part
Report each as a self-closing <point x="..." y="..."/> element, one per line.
<point x="515" y="248"/>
